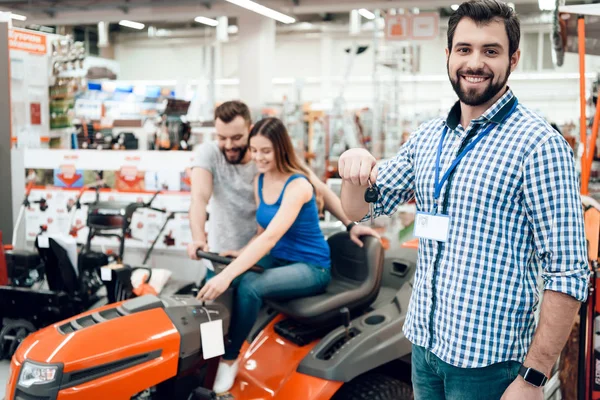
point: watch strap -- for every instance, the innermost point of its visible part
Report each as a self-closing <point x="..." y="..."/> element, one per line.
<point x="350" y="226"/>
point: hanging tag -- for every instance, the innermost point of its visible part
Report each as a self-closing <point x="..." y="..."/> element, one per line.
<point x="213" y="344"/>
<point x="434" y="227"/>
<point x="106" y="274"/>
<point x="43" y="242"/>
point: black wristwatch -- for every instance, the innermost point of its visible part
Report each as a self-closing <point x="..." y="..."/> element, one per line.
<point x="532" y="376"/>
<point x="350" y="226"/>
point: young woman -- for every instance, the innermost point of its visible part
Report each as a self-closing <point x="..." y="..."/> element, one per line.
<point x="289" y="245"/>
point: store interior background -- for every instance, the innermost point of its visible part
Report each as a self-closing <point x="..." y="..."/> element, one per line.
<point x="302" y="72"/>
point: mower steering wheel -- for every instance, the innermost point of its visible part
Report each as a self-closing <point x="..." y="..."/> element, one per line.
<point x="223" y="260"/>
<point x="214" y="257"/>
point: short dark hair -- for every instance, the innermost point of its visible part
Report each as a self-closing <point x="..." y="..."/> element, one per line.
<point x="229" y="110"/>
<point x="483" y="12"/>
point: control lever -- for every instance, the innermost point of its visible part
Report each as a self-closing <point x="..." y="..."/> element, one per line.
<point x="346" y="321"/>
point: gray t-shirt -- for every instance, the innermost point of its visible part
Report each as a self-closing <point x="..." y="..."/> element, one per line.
<point x="232" y="207"/>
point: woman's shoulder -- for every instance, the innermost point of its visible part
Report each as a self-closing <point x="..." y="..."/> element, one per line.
<point x="298" y="185"/>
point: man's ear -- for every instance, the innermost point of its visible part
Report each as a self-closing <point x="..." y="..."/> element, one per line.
<point x="514" y="60"/>
<point x="447" y="54"/>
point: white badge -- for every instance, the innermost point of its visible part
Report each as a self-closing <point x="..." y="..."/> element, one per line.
<point x="212" y="339"/>
<point x="433" y="227"/>
<point x="43" y="242"/>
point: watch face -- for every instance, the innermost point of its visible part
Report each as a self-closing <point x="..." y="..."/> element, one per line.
<point x="534" y="377"/>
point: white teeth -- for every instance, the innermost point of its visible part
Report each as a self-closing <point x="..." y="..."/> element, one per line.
<point x="472" y="79"/>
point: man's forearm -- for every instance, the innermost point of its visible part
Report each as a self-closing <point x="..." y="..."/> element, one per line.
<point x="353" y="201"/>
<point x="556" y="320"/>
<point x="198" y="221"/>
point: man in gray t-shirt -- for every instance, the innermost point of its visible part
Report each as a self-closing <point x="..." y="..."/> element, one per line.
<point x="223" y="174"/>
<point x="232" y="207"/>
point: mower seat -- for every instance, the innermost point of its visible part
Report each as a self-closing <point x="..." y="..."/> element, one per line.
<point x="355" y="281"/>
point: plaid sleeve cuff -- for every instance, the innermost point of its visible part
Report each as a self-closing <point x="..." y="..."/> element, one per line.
<point x="574" y="284"/>
<point x="377" y="211"/>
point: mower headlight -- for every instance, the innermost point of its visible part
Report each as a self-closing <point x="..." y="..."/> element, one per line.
<point x="32" y="374"/>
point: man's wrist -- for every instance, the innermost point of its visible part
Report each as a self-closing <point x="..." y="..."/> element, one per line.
<point x="538" y="365"/>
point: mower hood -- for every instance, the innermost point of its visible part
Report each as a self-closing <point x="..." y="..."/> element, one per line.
<point x="99" y="343"/>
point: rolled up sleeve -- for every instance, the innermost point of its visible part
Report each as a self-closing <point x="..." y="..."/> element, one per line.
<point x="553" y="206"/>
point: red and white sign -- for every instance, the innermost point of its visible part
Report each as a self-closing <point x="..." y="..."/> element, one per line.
<point x="31" y="42"/>
<point x="424" y="26"/>
<point x="397" y="27"/>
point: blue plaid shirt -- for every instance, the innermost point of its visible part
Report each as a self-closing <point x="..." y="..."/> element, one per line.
<point x="515" y="211"/>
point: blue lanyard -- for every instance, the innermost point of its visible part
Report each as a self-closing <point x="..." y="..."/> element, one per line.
<point x="439" y="184"/>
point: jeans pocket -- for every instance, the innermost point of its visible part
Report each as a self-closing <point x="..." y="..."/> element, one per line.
<point x="512" y="370"/>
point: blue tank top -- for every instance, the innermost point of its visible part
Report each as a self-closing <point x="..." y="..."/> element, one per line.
<point x="304" y="241"/>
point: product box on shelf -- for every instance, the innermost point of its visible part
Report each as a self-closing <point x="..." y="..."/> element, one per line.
<point x="121" y="176"/>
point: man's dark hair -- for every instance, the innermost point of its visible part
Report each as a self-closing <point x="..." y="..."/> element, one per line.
<point x="229" y="110"/>
<point x="483" y="12"/>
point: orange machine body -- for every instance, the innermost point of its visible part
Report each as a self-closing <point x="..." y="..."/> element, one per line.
<point x="113" y="340"/>
<point x="267" y="370"/>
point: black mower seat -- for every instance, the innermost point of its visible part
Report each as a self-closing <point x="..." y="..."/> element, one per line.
<point x="355" y="281"/>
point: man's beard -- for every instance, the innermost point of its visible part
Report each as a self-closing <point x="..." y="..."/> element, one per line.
<point x="241" y="152"/>
<point x="472" y="97"/>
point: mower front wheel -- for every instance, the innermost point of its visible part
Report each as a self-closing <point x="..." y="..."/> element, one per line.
<point x="374" y="386"/>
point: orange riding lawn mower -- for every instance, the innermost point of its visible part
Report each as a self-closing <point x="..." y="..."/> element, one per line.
<point x="345" y="343"/>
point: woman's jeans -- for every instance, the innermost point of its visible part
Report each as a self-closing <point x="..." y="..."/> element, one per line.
<point x="280" y="280"/>
<point x="434" y="379"/>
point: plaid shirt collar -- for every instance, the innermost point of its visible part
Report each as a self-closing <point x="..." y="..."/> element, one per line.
<point x="496" y="113"/>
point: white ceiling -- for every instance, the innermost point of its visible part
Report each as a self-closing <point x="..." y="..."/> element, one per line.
<point x="81" y="12"/>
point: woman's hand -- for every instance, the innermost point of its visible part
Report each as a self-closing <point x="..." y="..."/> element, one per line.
<point x="214" y="287"/>
<point x="361" y="230"/>
<point x="231" y="253"/>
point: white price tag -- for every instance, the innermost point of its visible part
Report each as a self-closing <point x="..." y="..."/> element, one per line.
<point x="106" y="274"/>
<point x="212" y="339"/>
<point x="433" y="227"/>
<point x="43" y="242"/>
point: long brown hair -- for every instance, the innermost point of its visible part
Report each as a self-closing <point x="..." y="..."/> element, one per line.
<point x="286" y="160"/>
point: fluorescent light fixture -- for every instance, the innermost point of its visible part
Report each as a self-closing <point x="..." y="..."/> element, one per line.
<point x="18" y="17"/>
<point x="454" y="7"/>
<point x="267" y="12"/>
<point x="547" y="5"/>
<point x="46" y="29"/>
<point x="366" y="13"/>
<point x="131" y="24"/>
<point x="206" y="21"/>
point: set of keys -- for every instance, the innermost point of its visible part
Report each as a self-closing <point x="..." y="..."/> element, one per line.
<point x="371" y="196"/>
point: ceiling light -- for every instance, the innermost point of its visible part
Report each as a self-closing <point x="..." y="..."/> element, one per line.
<point x="131" y="24"/>
<point x="454" y="7"/>
<point x="366" y="13"/>
<point x="267" y="12"/>
<point x="18" y="17"/>
<point x="206" y="21"/>
<point x="547" y="5"/>
<point x="232" y="29"/>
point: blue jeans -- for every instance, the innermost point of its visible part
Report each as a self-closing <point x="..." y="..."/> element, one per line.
<point x="434" y="379"/>
<point x="281" y="280"/>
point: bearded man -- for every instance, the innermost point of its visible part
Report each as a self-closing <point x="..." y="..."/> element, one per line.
<point x="499" y="207"/>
